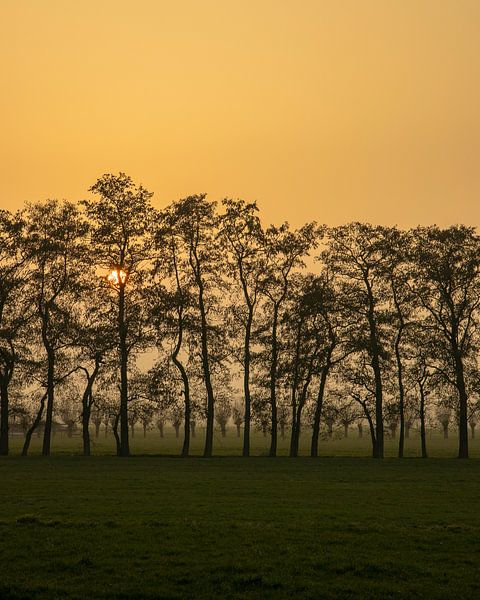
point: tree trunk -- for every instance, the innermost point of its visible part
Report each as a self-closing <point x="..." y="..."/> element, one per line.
<point x="375" y="363"/>
<point x="318" y="408"/>
<point x="345" y="430"/>
<point x="35" y="424"/>
<point x="445" y="431"/>
<point x="273" y="385"/>
<point x="4" y="414"/>
<point x="177" y="430"/>
<point x="295" y="408"/>
<point x="423" y="439"/>
<point x="472" y="430"/>
<point x="463" y="407"/>
<point x="360" y="430"/>
<point x="87" y="402"/>
<point x="115" y="433"/>
<point x="97" y="430"/>
<point x="238" y="425"/>
<point x="208" y="449"/>
<point x="372" y="433"/>
<point x="47" y="432"/>
<point x="246" y="384"/>
<point x="122" y="333"/>
<point x="185" y="380"/>
<point x="401" y="390"/>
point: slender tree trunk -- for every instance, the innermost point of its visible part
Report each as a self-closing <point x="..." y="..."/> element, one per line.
<point x="35" y="424"/>
<point x="398" y="358"/>
<point x="246" y="383"/>
<point x="85" y="428"/>
<point x="185" y="380"/>
<point x="273" y="385"/>
<point x="238" y="425"/>
<point x="375" y="363"/>
<point x="47" y="432"/>
<point x="122" y="333"/>
<point x="318" y="409"/>
<point x="301" y="404"/>
<point x="115" y="433"/>
<point x="463" y="408"/>
<point x="293" y="432"/>
<point x="87" y="402"/>
<point x="360" y="430"/>
<point x="97" y="430"/>
<point x="371" y="428"/>
<point x="4" y="414"/>
<point x="423" y="437"/>
<point x="208" y="449"/>
<point x="401" y="393"/>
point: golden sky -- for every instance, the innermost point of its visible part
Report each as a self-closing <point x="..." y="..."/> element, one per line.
<point x="333" y="110"/>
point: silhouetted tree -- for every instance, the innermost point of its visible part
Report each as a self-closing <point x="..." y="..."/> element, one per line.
<point x="447" y="284"/>
<point x="121" y="218"/>
<point x="56" y="244"/>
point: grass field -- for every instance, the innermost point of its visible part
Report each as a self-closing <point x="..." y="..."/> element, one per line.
<point x="231" y="445"/>
<point x="159" y="527"/>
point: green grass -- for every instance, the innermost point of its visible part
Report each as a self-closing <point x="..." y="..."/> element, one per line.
<point x="231" y="445"/>
<point x="152" y="527"/>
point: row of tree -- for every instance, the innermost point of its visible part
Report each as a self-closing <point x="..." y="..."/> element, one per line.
<point x="384" y="320"/>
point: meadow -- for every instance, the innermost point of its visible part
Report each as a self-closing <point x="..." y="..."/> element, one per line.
<point x="231" y="445"/>
<point x="162" y="527"/>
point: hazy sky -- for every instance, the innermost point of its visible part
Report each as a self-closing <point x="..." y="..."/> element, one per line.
<point x="333" y="110"/>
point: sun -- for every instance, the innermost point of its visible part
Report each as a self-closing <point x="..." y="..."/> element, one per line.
<point x="117" y="276"/>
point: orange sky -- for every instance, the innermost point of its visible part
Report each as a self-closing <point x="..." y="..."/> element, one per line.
<point x="331" y="110"/>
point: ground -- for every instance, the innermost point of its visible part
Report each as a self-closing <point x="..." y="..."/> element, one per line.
<point x="163" y="527"/>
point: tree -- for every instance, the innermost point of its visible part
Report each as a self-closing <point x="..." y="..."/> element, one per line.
<point x="242" y="231"/>
<point x="14" y="309"/>
<point x="172" y="304"/>
<point x="403" y="305"/>
<point x="284" y="251"/>
<point x="237" y="417"/>
<point x="56" y="244"/>
<point x="94" y="341"/>
<point x="447" y="284"/>
<point x="357" y="252"/>
<point x="195" y="222"/>
<point x="120" y="226"/>
<point x="334" y="328"/>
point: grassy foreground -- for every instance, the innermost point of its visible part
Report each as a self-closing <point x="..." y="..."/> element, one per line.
<point x="152" y="527"/>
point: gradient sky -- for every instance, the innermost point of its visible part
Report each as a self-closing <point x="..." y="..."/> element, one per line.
<point x="333" y="110"/>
